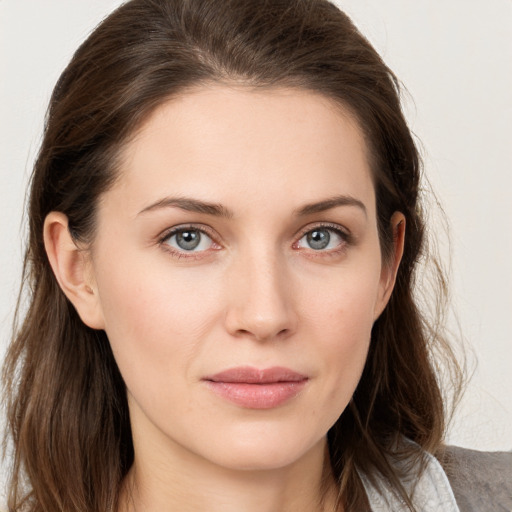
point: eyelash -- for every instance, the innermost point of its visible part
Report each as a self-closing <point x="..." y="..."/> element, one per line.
<point x="180" y="229"/>
<point x="343" y="234"/>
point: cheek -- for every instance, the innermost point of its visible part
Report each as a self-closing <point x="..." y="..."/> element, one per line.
<point x="340" y="321"/>
<point x="343" y="305"/>
<point x="154" y="317"/>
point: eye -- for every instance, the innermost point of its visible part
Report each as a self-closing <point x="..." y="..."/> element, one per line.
<point x="188" y="240"/>
<point x="322" y="238"/>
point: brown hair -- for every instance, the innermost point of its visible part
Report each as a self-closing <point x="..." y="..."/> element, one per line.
<point x="66" y="400"/>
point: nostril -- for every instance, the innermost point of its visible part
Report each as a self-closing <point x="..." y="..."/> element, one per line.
<point x="261" y="335"/>
<point x="260" y="314"/>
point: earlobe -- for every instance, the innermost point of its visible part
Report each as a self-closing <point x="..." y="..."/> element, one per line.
<point x="71" y="267"/>
<point x="390" y="268"/>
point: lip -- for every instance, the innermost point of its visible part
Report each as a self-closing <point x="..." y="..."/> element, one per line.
<point x="255" y="388"/>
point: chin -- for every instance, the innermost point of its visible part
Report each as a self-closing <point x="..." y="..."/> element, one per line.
<point x="260" y="452"/>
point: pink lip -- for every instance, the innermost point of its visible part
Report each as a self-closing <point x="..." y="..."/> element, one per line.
<point x="257" y="389"/>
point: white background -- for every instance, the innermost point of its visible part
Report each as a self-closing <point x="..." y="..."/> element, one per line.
<point x="454" y="57"/>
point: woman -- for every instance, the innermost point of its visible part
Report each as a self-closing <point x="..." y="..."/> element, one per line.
<point x="224" y="229"/>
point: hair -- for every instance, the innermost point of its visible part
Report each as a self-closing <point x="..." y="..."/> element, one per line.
<point x="65" y="398"/>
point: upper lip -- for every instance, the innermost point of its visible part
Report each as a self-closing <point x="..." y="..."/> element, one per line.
<point x="250" y="375"/>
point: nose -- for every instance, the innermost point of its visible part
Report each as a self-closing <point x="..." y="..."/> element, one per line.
<point x="260" y="299"/>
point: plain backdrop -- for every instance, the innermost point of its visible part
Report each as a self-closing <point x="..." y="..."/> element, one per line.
<point x="453" y="56"/>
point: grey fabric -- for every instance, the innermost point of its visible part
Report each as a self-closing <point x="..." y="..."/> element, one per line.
<point x="481" y="481"/>
<point x="430" y="491"/>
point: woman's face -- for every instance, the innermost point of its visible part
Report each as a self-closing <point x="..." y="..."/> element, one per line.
<point x="237" y="273"/>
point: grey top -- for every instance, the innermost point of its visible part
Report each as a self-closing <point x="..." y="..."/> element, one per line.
<point x="467" y="481"/>
<point x="431" y="492"/>
<point x="481" y="481"/>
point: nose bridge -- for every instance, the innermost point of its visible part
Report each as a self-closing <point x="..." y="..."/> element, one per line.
<point x="260" y="294"/>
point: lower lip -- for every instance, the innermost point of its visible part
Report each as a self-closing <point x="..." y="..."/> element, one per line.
<point x="257" y="396"/>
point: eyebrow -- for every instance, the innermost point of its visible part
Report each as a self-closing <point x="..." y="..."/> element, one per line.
<point x="329" y="204"/>
<point x="219" y="210"/>
<point x="190" y="205"/>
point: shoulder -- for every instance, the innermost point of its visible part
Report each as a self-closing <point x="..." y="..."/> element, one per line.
<point x="421" y="477"/>
<point x="479" y="480"/>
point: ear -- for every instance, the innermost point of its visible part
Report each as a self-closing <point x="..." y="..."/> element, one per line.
<point x="390" y="268"/>
<point x="72" y="268"/>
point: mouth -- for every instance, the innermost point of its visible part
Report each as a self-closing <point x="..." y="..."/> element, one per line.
<point x="254" y="388"/>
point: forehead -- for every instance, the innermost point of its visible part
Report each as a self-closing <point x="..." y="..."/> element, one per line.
<point x="247" y="146"/>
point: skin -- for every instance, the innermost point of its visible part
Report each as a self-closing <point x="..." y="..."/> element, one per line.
<point x="253" y="293"/>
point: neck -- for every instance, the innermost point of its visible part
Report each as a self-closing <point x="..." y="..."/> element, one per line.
<point x="159" y="483"/>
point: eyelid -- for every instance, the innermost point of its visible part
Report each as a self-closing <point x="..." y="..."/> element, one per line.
<point x="344" y="232"/>
<point x="169" y="232"/>
<point x="183" y="227"/>
<point x="345" y="235"/>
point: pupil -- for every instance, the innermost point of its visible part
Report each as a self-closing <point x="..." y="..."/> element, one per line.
<point x="318" y="239"/>
<point x="188" y="240"/>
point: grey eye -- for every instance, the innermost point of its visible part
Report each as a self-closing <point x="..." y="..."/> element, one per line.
<point x="188" y="240"/>
<point x="322" y="238"/>
<point x="318" y="239"/>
